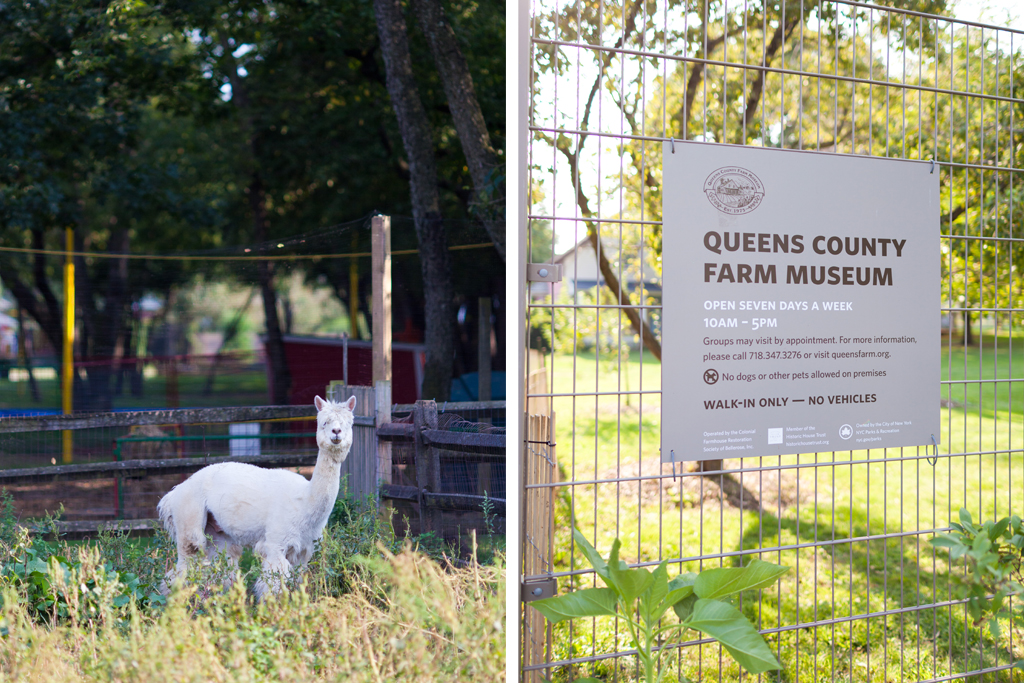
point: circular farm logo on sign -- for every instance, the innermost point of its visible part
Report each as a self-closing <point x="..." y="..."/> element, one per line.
<point x="734" y="190"/>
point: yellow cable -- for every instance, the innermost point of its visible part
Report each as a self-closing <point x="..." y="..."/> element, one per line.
<point x="171" y="257"/>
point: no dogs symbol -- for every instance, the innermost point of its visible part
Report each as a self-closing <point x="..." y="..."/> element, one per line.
<point x="710" y="376"/>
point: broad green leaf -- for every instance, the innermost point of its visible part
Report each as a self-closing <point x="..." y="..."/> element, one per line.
<point x="680" y="587"/>
<point x="594" y="557"/>
<point x="682" y="580"/>
<point x="727" y="625"/>
<point x="652" y="600"/>
<point x="683" y="608"/>
<point x="999" y="528"/>
<point x="724" y="581"/>
<point x="946" y="541"/>
<point x="589" y="602"/>
<point x="630" y="583"/>
<point x="980" y="546"/>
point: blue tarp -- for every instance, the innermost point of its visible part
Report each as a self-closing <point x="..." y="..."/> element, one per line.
<point x="465" y="388"/>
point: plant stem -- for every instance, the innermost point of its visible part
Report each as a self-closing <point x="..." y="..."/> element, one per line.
<point x="643" y="652"/>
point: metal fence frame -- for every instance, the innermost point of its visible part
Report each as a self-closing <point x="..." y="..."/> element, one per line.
<point x="609" y="48"/>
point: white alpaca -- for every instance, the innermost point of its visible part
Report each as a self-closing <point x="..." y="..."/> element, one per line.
<point x="278" y="513"/>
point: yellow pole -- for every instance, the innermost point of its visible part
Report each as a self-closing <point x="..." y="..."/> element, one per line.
<point x="67" y="375"/>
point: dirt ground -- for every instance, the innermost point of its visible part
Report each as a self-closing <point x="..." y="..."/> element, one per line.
<point x="768" y="491"/>
<point x="97" y="499"/>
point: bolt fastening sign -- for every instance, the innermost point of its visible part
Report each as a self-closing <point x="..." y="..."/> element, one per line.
<point x="800" y="302"/>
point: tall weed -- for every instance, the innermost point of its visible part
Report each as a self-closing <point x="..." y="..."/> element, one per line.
<point x="368" y="609"/>
<point x="431" y="625"/>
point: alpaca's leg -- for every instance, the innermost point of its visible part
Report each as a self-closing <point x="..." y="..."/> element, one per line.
<point x="276" y="569"/>
<point x="222" y="544"/>
<point x="189" y="522"/>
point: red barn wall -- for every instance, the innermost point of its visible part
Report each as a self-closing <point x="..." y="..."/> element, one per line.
<point x="314" y="362"/>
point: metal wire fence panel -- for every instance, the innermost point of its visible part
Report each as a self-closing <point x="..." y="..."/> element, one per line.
<point x="446" y="482"/>
<point x="197" y="434"/>
<point x="867" y="596"/>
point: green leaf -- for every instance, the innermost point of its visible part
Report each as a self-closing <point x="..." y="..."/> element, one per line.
<point x="966" y="521"/>
<point x="653" y="603"/>
<point x="629" y="583"/>
<point x="594" y="557"/>
<point x="589" y="602"/>
<point x="684" y="608"/>
<point x="727" y="625"/>
<point x="946" y="541"/>
<point x="38" y="566"/>
<point x="980" y="546"/>
<point x="724" y="581"/>
<point x="686" y="579"/>
<point x="680" y="587"/>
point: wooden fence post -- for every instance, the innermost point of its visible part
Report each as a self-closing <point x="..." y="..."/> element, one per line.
<point x="428" y="478"/>
<point x="382" y="399"/>
<point x="360" y="467"/>
<point x="381" y="255"/>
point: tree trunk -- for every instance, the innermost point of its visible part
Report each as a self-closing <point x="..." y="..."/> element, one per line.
<point x="430" y="230"/>
<point x="469" y="119"/>
<point x="276" y="360"/>
<point x="281" y="378"/>
<point x="23" y="356"/>
<point x="103" y="327"/>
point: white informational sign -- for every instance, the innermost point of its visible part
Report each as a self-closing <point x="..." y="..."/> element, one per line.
<point x="800" y="302"/>
<point x="241" y="447"/>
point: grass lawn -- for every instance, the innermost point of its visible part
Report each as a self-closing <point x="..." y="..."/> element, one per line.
<point x="994" y="357"/>
<point x="850" y="495"/>
<point x="237" y="388"/>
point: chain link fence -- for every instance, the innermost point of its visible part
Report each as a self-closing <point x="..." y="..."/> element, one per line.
<point x="867" y="597"/>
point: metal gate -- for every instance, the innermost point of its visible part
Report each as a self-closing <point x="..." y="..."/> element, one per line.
<point x="867" y="598"/>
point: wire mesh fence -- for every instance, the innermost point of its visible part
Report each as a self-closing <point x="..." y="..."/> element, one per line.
<point x="446" y="480"/>
<point x="189" y="324"/>
<point x="868" y="597"/>
<point x="121" y="468"/>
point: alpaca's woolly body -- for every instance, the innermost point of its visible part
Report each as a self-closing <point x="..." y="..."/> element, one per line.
<point x="278" y="513"/>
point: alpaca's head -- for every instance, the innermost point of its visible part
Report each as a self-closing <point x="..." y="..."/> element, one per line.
<point x="334" y="425"/>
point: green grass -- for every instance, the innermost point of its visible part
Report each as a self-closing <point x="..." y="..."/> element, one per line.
<point x="248" y="387"/>
<point x="845" y="498"/>
<point x="994" y="357"/>
<point x="369" y="609"/>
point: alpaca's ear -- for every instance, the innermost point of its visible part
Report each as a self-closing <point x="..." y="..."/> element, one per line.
<point x="319" y="403"/>
<point x="351" y="403"/>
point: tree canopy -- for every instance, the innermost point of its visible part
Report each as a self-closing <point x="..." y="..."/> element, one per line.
<point x="182" y="126"/>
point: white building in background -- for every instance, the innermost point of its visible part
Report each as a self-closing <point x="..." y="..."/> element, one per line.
<point x="581" y="272"/>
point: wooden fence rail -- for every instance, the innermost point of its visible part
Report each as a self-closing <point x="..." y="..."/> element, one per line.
<point x="428" y="442"/>
<point x="433" y="497"/>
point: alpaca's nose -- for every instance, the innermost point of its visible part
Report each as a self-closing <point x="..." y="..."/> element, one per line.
<point x="336" y="431"/>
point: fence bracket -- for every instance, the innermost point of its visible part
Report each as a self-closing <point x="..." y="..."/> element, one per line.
<point x="544" y="272"/>
<point x="538" y="589"/>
